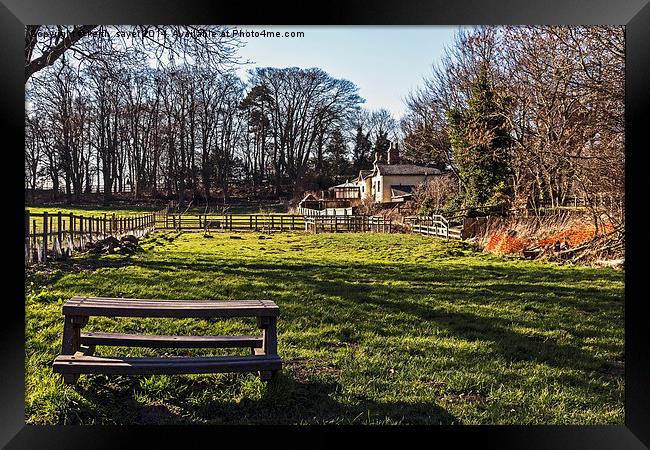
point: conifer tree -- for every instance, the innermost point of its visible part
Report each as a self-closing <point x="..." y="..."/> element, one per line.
<point x="481" y="140"/>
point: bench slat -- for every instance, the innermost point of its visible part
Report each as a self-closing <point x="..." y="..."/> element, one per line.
<point x="117" y="307"/>
<point x="70" y="364"/>
<point x="137" y="340"/>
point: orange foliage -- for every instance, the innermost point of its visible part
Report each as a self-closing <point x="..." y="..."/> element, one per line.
<point x="506" y="244"/>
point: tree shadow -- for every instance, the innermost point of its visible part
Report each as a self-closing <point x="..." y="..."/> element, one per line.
<point x="286" y="399"/>
<point x="358" y="294"/>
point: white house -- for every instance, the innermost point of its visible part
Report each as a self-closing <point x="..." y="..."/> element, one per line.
<point x="392" y="182"/>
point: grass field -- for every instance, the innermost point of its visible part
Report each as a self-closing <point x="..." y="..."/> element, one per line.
<point x="91" y="211"/>
<point x="98" y="210"/>
<point x="374" y="328"/>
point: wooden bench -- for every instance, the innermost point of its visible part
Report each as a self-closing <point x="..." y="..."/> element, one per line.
<point x="78" y="347"/>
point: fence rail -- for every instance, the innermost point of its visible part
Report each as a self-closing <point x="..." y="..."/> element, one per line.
<point x="251" y="222"/>
<point x="335" y="224"/>
<point x="325" y="212"/>
<point x="435" y="225"/>
<point x="53" y="235"/>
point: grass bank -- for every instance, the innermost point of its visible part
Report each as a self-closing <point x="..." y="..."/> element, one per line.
<point x="374" y="328"/>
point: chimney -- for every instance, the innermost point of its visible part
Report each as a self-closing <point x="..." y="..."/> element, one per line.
<point x="377" y="158"/>
<point x="393" y="153"/>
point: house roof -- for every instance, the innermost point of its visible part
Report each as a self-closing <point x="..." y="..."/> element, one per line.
<point x="309" y="198"/>
<point x="401" y="191"/>
<point x="363" y="174"/>
<point x="346" y="184"/>
<point x="406" y="169"/>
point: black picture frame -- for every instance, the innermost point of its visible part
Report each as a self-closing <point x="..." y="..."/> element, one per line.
<point x="634" y="14"/>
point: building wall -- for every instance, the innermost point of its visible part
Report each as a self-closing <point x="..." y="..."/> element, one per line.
<point x="386" y="182"/>
<point x="365" y="187"/>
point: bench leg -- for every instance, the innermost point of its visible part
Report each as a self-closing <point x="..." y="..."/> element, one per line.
<point x="70" y="344"/>
<point x="270" y="342"/>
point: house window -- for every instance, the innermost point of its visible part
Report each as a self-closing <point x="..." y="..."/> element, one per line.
<point x="378" y="186"/>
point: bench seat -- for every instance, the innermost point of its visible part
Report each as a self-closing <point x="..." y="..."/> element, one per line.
<point x="127" y="307"/>
<point x="77" y="364"/>
<point x="137" y="340"/>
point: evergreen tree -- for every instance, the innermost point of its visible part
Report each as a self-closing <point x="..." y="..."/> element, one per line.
<point x="382" y="144"/>
<point x="336" y="164"/>
<point x="361" y="158"/>
<point x="480" y="139"/>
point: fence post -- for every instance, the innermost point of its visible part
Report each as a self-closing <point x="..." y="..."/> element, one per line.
<point x="28" y="247"/>
<point x="71" y="232"/>
<point x="59" y="224"/>
<point x="45" y="243"/>
<point x="81" y="230"/>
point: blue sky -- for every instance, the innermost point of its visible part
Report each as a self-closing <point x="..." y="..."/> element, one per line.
<point x="385" y="62"/>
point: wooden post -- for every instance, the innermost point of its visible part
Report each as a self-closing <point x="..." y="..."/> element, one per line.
<point x="45" y="243"/>
<point x="71" y="228"/>
<point x="81" y="229"/>
<point x="268" y="325"/>
<point x="28" y="247"/>
<point x="59" y="226"/>
<point x="70" y="344"/>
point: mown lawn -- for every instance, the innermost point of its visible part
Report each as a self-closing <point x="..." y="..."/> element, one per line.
<point x="374" y="328"/>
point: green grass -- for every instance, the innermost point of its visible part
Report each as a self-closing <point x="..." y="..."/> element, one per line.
<point x="98" y="210"/>
<point x="374" y="328"/>
<point x="92" y="210"/>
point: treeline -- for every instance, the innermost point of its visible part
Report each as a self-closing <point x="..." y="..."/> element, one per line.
<point x="527" y="116"/>
<point x="122" y="120"/>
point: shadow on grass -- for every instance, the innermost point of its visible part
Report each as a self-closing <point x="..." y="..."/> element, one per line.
<point x="358" y="294"/>
<point x="284" y="400"/>
<point x="485" y="302"/>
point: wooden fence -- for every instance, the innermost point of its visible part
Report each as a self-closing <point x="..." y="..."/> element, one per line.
<point x="53" y="235"/>
<point x="325" y="211"/>
<point x="335" y="224"/>
<point x="232" y="222"/>
<point x="435" y="225"/>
